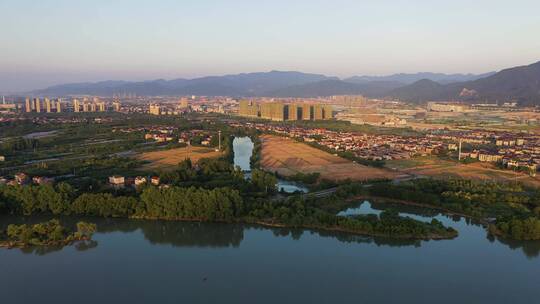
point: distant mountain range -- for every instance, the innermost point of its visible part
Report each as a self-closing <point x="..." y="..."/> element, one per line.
<point x="520" y="83"/>
<point x="411" y="78"/>
<point x="249" y="84"/>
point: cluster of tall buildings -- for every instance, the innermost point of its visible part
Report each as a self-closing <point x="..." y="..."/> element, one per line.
<point x="88" y="106"/>
<point x="170" y="108"/>
<point x="280" y="111"/>
<point x="47" y="106"/>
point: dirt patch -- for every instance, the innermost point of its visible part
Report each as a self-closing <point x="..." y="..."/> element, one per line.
<point x="167" y="159"/>
<point x="437" y="168"/>
<point x="288" y="157"/>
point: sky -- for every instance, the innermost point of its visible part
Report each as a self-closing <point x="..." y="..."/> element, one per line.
<point x="50" y="42"/>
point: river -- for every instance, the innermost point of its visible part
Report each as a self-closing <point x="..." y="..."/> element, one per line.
<point x="136" y="261"/>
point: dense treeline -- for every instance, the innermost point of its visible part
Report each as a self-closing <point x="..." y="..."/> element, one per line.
<point x="36" y="199"/>
<point x="515" y="208"/>
<point x="518" y="229"/>
<point x="264" y="181"/>
<point x="301" y="212"/>
<point x="255" y="159"/>
<point x="219" y="204"/>
<point x="479" y="199"/>
<point x="207" y="173"/>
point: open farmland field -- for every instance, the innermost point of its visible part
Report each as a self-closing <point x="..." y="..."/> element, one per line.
<point x="167" y="159"/>
<point x="438" y="168"/>
<point x="288" y="157"/>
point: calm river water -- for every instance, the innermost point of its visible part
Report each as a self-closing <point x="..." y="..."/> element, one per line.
<point x="175" y="262"/>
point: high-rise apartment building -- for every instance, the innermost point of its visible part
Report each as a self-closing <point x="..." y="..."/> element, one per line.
<point x="318" y="112"/>
<point x="28" y="106"/>
<point x="48" y="106"/>
<point x="76" y="106"/>
<point x="328" y="112"/>
<point x="37" y="105"/>
<point x="292" y="112"/>
<point x="306" y="112"/>
<point x="248" y="108"/>
<point x="116" y="106"/>
<point x="58" y="106"/>
<point x="280" y="111"/>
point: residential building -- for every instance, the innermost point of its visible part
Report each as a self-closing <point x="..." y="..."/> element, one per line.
<point x="21" y="178"/>
<point x="37" y="105"/>
<point x="140" y="180"/>
<point x="117" y="180"/>
<point x="154" y="180"/>
<point x="76" y="106"/>
<point x="28" y="106"/>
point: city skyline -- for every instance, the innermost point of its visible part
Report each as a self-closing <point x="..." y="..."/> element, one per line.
<point x="140" y="40"/>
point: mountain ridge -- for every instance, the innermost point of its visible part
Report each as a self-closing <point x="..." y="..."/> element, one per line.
<point x="520" y="83"/>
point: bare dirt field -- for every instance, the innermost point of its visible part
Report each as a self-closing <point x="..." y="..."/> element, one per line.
<point x="167" y="159"/>
<point x="434" y="167"/>
<point x="288" y="157"/>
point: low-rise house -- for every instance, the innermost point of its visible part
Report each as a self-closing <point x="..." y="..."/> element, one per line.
<point x="140" y="180"/>
<point x="41" y="180"/>
<point x="155" y="180"/>
<point x="117" y="180"/>
<point x="21" y="178"/>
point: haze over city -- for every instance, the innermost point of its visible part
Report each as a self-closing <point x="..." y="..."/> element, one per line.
<point x="53" y="42"/>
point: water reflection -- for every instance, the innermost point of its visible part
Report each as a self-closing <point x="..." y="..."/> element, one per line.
<point x="178" y="234"/>
<point x="531" y="249"/>
<point x="195" y="234"/>
<point x="472" y="235"/>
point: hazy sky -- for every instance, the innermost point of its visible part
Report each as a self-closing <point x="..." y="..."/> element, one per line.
<point x="57" y="41"/>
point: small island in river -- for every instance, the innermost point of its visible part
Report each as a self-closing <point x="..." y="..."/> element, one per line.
<point x="51" y="233"/>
